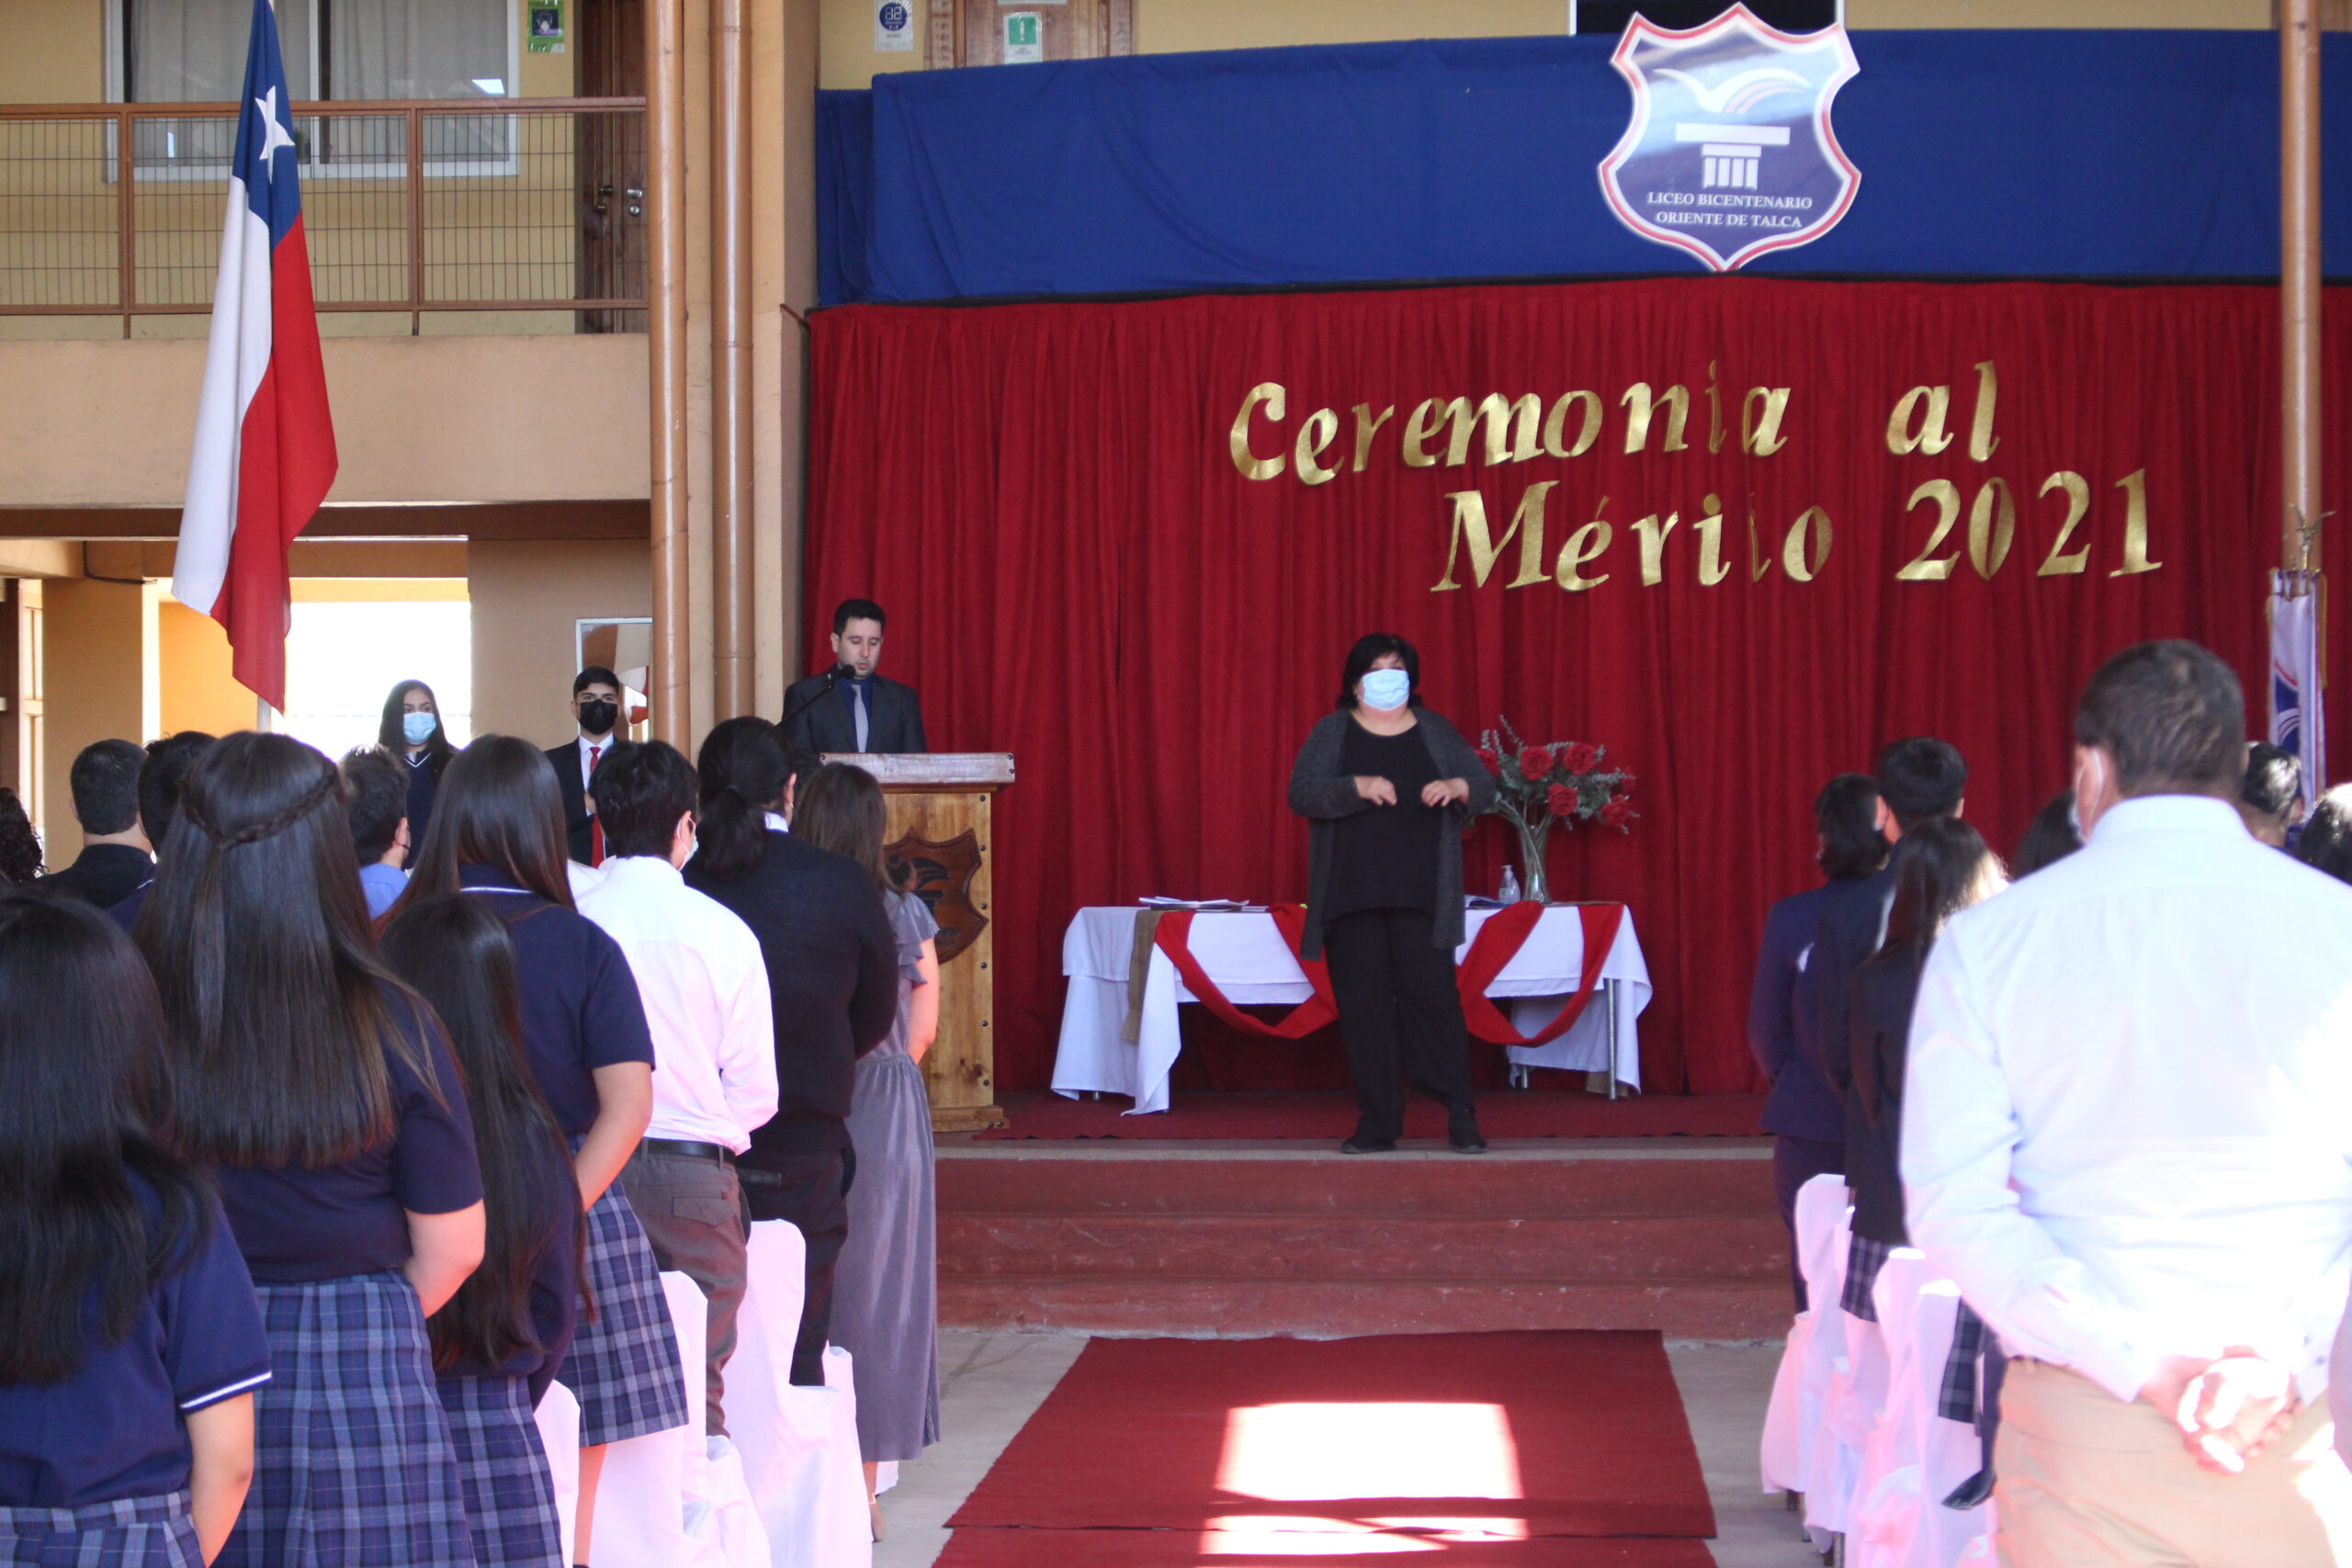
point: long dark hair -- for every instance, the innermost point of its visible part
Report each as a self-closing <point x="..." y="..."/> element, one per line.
<point x="458" y="956"/>
<point x="82" y="1054"/>
<point x="2326" y="843"/>
<point x="1941" y="867"/>
<point x="20" y="845"/>
<point x="276" y="1006"/>
<point x="744" y="767"/>
<point x="2050" y="838"/>
<point x="498" y="807"/>
<point x="1846" y="813"/>
<point x="842" y="811"/>
<point x="393" y="738"/>
<point x="1369" y="650"/>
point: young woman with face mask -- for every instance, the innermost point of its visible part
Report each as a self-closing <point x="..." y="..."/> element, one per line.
<point x="1387" y="787"/>
<point x="412" y="730"/>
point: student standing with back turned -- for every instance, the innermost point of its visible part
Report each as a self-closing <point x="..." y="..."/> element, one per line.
<point x="324" y="1090"/>
<point x="131" y="1344"/>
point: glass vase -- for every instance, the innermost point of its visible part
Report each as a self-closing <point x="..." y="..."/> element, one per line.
<point x="1536" y="886"/>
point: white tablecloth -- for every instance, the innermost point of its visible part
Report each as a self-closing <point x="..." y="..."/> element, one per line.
<point x="1248" y="959"/>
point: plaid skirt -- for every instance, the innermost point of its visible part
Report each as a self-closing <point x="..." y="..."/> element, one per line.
<point x="624" y="1360"/>
<point x="510" y="1498"/>
<point x="352" y="1462"/>
<point x="1957" y="1398"/>
<point x="132" y="1532"/>
<point x="1864" y="1259"/>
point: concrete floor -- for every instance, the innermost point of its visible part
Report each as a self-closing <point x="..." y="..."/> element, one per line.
<point x="991" y="1383"/>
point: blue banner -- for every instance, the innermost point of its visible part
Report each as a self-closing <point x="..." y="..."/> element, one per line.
<point x="2084" y="153"/>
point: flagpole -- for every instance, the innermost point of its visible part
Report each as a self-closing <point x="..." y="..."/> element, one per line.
<point x="666" y="353"/>
<point x="2299" y="276"/>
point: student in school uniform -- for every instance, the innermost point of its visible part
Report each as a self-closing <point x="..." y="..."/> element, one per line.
<point x="497" y="835"/>
<point x="497" y="1344"/>
<point x="412" y="730"/>
<point x="323" y="1092"/>
<point x="131" y="1344"/>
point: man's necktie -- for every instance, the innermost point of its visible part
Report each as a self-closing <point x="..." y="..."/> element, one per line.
<point x="595" y="823"/>
<point x="857" y="708"/>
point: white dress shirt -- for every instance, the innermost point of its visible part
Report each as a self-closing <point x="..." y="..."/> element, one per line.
<point x="2127" y="1127"/>
<point x="706" y="989"/>
<point x="592" y="750"/>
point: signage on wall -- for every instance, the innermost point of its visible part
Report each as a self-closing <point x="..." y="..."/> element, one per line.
<point x="894" y="27"/>
<point x="1025" y="37"/>
<point x="547" y="27"/>
<point x="1730" y="152"/>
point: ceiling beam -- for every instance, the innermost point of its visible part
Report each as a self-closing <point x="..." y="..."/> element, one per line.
<point x="503" y="521"/>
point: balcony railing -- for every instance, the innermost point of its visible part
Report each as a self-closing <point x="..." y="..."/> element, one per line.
<point x="524" y="217"/>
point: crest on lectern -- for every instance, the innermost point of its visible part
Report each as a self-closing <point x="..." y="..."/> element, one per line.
<point x="941" y="875"/>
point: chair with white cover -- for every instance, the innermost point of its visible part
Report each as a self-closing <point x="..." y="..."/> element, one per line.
<point x="799" y="1445"/>
<point x="676" y="1497"/>
<point x="1823" y="1221"/>
<point x="1789" y="1419"/>
<point x="1917" y="1457"/>
<point x="558" y="1422"/>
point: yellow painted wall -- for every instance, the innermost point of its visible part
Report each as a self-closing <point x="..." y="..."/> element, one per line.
<point x="527" y="600"/>
<point x="52" y="52"/>
<point x="100" y="667"/>
<point x="198" y="690"/>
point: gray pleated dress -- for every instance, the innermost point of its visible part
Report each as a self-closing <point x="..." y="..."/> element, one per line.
<point x="886" y="1287"/>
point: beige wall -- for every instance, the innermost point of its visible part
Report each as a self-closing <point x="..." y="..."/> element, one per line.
<point x="52" y="52"/>
<point x="196" y="689"/>
<point x="527" y="598"/>
<point x="100" y="658"/>
<point x="416" y="420"/>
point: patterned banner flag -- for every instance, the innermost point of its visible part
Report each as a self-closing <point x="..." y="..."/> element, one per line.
<point x="2297" y="716"/>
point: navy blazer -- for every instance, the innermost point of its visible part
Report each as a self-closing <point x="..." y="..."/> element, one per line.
<point x="1852" y="927"/>
<point x="893" y="717"/>
<point x="1783" y="1024"/>
<point x="579" y="840"/>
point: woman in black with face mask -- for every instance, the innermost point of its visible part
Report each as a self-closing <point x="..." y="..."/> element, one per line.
<point x="1387" y="787"/>
<point x="412" y="730"/>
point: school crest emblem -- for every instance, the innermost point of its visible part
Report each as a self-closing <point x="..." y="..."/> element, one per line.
<point x="941" y="875"/>
<point x="1730" y="154"/>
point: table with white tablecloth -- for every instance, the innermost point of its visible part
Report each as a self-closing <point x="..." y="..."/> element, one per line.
<point x="1246" y="956"/>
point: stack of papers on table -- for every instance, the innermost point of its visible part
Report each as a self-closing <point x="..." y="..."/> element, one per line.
<point x="1205" y="906"/>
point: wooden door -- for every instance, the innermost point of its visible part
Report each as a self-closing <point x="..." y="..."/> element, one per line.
<point x="612" y="164"/>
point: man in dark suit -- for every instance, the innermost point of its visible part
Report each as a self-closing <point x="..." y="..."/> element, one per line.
<point x="1918" y="779"/>
<point x="596" y="709"/>
<point x="862" y="711"/>
<point x="115" y="857"/>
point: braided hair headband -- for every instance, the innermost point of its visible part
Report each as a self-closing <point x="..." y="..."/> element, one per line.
<point x="270" y="827"/>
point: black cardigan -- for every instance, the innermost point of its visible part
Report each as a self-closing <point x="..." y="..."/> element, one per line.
<point x="833" y="974"/>
<point x="1322" y="792"/>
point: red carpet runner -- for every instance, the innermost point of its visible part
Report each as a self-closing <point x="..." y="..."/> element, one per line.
<point x="1280" y="1113"/>
<point x="1501" y="1448"/>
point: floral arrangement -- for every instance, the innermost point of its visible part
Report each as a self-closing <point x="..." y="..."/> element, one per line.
<point x="1563" y="782"/>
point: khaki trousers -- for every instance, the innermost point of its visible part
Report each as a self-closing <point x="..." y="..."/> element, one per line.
<point x="2088" y="1482"/>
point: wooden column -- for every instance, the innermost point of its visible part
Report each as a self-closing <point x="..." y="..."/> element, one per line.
<point x="730" y="360"/>
<point x="2299" y="280"/>
<point x="666" y="359"/>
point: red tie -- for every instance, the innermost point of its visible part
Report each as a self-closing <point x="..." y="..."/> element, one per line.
<point x="596" y="824"/>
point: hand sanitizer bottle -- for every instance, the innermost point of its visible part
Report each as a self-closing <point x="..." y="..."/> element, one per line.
<point x="1509" y="893"/>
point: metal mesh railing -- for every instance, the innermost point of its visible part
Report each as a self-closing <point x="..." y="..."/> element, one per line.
<point x="407" y="209"/>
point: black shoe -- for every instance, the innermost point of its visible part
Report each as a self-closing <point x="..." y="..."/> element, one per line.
<point x="1462" y="1131"/>
<point x="1977" y="1489"/>
<point x="1361" y="1145"/>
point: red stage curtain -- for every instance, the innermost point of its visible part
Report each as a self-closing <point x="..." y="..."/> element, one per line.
<point x="1078" y="572"/>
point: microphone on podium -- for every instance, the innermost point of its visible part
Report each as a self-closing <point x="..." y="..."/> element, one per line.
<point x="838" y="674"/>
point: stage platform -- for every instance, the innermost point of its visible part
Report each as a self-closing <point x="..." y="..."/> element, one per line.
<point x="1243" y="1238"/>
<point x="1328" y="1115"/>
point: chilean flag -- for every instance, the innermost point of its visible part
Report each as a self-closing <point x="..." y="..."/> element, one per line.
<point x="264" y="443"/>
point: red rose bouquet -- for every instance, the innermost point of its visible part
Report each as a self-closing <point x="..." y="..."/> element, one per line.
<point x="1564" y="782"/>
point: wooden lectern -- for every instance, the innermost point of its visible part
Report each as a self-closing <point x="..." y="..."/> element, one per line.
<point x="942" y="840"/>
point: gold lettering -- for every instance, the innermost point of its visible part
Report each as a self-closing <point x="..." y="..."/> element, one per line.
<point x="1584" y="546"/>
<point x="1420" y="426"/>
<point x="1806" y="549"/>
<point x="1470" y="522"/>
<point x="2134" y="487"/>
<point x="1366" y="428"/>
<point x="1714" y="408"/>
<point x="2061" y="561"/>
<point x="1641" y="404"/>
<point x="1920" y="569"/>
<point x="1761" y="437"/>
<point x="1931" y="436"/>
<point x="1758" y="562"/>
<point x="1314" y="435"/>
<point x="1253" y="467"/>
<point x="1651" y="533"/>
<point x="1555" y="424"/>
<point x="1521" y="417"/>
<point x="1992" y="526"/>
<point x="1981" y="439"/>
<point x="1712" y="567"/>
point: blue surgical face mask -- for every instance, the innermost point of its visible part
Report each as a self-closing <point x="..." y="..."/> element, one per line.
<point x="418" y="728"/>
<point x="1386" y="689"/>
